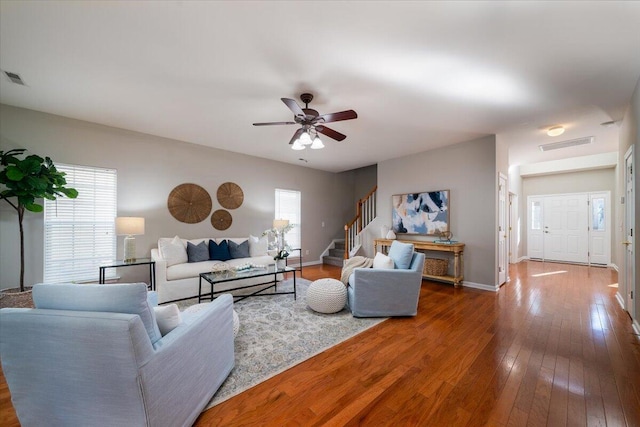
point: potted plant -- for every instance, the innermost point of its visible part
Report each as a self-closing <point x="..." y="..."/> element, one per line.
<point x="23" y="181"/>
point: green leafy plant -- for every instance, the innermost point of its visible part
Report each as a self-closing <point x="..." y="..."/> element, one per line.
<point x="23" y="181"/>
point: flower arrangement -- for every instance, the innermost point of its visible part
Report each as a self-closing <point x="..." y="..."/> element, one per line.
<point x="279" y="243"/>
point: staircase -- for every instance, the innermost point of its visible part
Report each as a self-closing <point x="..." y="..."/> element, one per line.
<point x="336" y="255"/>
<point x="366" y="213"/>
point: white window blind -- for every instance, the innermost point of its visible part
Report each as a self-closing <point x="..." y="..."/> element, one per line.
<point x="288" y="207"/>
<point x="79" y="233"/>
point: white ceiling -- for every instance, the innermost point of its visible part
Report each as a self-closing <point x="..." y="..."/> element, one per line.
<point x="419" y="74"/>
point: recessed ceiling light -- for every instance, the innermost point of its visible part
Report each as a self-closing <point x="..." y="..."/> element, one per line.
<point x="555" y="131"/>
<point x="565" y="144"/>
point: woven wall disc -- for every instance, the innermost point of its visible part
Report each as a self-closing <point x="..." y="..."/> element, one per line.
<point x="189" y="203"/>
<point x="230" y="195"/>
<point x="221" y="219"/>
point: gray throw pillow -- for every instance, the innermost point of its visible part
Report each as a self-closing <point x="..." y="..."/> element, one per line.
<point x="239" y="250"/>
<point x="197" y="253"/>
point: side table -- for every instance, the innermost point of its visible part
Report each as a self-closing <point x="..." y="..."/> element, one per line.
<point x="139" y="261"/>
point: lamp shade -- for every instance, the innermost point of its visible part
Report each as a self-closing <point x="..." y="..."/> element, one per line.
<point x="279" y="224"/>
<point x="129" y="225"/>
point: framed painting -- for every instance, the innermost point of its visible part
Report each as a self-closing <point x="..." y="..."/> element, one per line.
<point x="421" y="213"/>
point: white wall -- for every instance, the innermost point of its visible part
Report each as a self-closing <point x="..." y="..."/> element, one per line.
<point x="629" y="136"/>
<point x="468" y="170"/>
<point x="149" y="167"/>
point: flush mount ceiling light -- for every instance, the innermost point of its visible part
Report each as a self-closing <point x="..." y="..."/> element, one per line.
<point x="555" y="131"/>
<point x="565" y="144"/>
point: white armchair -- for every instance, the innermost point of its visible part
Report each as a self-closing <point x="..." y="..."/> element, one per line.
<point x="92" y="355"/>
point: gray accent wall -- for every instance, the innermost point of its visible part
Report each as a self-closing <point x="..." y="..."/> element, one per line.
<point x="469" y="171"/>
<point x="149" y="167"/>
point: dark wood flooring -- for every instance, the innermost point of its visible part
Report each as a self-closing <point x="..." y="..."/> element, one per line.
<point x="553" y="348"/>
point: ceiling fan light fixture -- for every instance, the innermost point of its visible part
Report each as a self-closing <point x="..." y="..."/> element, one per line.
<point x="297" y="145"/>
<point x="317" y="144"/>
<point x="305" y="139"/>
<point x="555" y="131"/>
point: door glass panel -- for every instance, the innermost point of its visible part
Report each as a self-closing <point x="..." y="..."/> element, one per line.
<point x="597" y="213"/>
<point x="536" y="215"/>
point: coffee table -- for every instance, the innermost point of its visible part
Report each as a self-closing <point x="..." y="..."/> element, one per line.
<point x="230" y="276"/>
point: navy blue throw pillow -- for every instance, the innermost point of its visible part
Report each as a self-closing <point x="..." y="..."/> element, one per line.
<point x="219" y="252"/>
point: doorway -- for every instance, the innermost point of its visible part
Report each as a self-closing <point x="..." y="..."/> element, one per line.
<point x="572" y="227"/>
<point x="629" y="224"/>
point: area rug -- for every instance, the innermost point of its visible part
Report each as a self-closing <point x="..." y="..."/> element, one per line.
<point x="277" y="333"/>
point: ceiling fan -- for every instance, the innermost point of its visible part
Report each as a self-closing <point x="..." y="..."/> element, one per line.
<point x="311" y="123"/>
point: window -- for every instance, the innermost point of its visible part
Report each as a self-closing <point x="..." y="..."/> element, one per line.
<point x="597" y="213"/>
<point x="79" y="233"/>
<point x="288" y="207"/>
<point x="536" y="215"/>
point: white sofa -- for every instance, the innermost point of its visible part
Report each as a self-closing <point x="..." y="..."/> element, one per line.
<point x="178" y="279"/>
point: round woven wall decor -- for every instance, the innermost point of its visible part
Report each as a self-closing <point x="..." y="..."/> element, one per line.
<point x="230" y="195"/>
<point x="189" y="203"/>
<point x="221" y="219"/>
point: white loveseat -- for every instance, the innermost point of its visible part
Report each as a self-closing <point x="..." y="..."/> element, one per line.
<point x="177" y="279"/>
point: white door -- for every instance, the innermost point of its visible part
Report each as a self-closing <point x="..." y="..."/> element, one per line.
<point x="629" y="221"/>
<point x="566" y="231"/>
<point x="514" y="228"/>
<point x="502" y="229"/>
<point x="599" y="228"/>
<point x="535" y="234"/>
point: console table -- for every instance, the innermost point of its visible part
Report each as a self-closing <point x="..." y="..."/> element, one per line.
<point x="456" y="248"/>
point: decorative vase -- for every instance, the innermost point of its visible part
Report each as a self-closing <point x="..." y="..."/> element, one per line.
<point x="281" y="263"/>
<point x="391" y="235"/>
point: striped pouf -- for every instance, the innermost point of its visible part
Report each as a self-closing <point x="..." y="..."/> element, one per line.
<point x="327" y="296"/>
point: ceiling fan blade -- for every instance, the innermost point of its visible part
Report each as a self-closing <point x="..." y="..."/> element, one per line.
<point x="274" y="123"/>
<point x="293" y="106"/>
<point x="330" y="133"/>
<point x="337" y="117"/>
<point x="296" y="135"/>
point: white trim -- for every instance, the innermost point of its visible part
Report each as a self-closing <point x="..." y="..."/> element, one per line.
<point x="480" y="286"/>
<point x="620" y="300"/>
<point x="636" y="328"/>
<point x="522" y="258"/>
<point x="615" y="267"/>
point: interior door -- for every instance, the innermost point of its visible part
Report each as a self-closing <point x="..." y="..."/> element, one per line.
<point x="514" y="228"/>
<point x="599" y="228"/>
<point x="502" y="229"/>
<point x="535" y="233"/>
<point x="629" y="221"/>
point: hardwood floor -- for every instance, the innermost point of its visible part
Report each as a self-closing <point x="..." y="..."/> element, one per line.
<point x="553" y="347"/>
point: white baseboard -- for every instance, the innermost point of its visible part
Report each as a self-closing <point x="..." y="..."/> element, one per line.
<point x="480" y="286"/>
<point x="615" y="267"/>
<point x="620" y="300"/>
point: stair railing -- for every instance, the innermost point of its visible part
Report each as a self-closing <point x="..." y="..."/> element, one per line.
<point x="366" y="212"/>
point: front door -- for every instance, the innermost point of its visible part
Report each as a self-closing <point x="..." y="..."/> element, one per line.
<point x="599" y="228"/>
<point x="566" y="228"/>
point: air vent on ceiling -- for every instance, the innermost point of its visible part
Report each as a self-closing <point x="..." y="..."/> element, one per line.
<point x="15" y="78"/>
<point x="565" y="144"/>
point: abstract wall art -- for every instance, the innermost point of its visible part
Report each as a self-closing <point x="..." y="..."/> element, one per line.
<point x="421" y="213"/>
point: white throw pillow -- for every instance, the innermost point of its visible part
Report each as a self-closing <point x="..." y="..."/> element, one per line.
<point x="258" y="246"/>
<point x="174" y="251"/>
<point x="167" y="317"/>
<point x="383" y="261"/>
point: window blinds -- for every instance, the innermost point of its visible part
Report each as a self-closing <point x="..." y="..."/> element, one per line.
<point x="79" y="234"/>
<point x="288" y="207"/>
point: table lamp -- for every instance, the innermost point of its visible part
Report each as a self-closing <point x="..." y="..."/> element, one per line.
<point x="129" y="226"/>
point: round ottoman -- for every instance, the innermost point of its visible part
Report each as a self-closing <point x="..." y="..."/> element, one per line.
<point x="198" y="307"/>
<point x="327" y="296"/>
